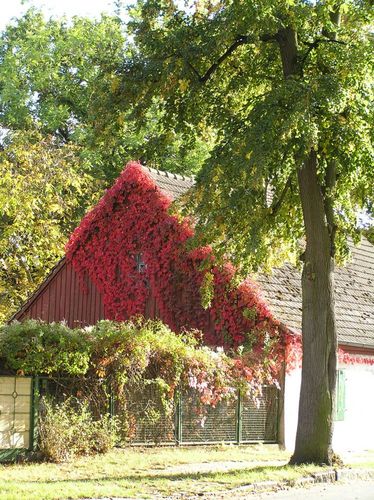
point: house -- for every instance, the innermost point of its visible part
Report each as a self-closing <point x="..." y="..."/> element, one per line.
<point x="128" y="257"/>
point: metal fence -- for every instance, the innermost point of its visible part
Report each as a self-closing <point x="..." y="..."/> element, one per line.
<point x="237" y="420"/>
<point x="143" y="418"/>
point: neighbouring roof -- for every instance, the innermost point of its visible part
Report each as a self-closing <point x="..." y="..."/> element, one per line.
<point x="354" y="303"/>
<point x="354" y="300"/>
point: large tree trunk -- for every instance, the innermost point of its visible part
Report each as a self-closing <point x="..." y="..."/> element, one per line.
<point x="317" y="395"/>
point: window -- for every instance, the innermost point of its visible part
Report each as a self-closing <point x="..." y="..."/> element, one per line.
<point x="340" y="396"/>
<point x="140" y="264"/>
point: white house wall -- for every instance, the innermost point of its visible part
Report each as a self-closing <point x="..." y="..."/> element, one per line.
<point x="291" y="407"/>
<point x="356" y="431"/>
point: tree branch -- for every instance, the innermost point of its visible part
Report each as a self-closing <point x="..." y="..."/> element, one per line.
<point x="276" y="206"/>
<point x="240" y="40"/>
<point x="335" y="18"/>
<point x="310" y="48"/>
<point x="314" y="45"/>
<point x="330" y="181"/>
<point x="330" y="175"/>
<point x="332" y="40"/>
<point x="63" y="133"/>
<point x="192" y="67"/>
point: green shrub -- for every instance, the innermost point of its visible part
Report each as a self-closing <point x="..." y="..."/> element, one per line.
<point x="68" y="430"/>
<point x="35" y="347"/>
<point x="103" y="434"/>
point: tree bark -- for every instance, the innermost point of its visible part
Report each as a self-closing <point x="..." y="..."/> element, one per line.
<point x="317" y="394"/>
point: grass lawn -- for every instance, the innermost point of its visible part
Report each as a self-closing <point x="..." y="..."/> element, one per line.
<point x="148" y="472"/>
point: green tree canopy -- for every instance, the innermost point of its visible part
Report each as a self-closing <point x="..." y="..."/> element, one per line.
<point x="43" y="194"/>
<point x="56" y="76"/>
<point x="61" y="77"/>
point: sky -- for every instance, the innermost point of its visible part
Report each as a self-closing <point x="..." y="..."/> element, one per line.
<point x="92" y="8"/>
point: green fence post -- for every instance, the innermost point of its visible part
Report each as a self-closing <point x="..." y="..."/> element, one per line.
<point x="34" y="412"/>
<point x="178" y="418"/>
<point x="239" y="421"/>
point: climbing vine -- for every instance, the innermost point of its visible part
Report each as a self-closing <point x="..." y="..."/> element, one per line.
<point x="132" y="222"/>
<point x="347" y="358"/>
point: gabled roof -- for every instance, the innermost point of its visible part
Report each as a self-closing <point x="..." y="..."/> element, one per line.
<point x="174" y="185"/>
<point x="282" y="289"/>
<point x="40" y="289"/>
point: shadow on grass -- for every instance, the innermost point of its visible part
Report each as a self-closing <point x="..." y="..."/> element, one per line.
<point x="180" y="476"/>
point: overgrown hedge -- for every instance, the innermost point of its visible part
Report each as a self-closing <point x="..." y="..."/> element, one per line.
<point x="139" y="351"/>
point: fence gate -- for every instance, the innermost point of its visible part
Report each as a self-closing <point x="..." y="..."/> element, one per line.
<point x="16" y="415"/>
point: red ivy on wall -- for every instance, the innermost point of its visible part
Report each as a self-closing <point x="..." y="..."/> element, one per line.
<point x="132" y="219"/>
<point x="347" y="358"/>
